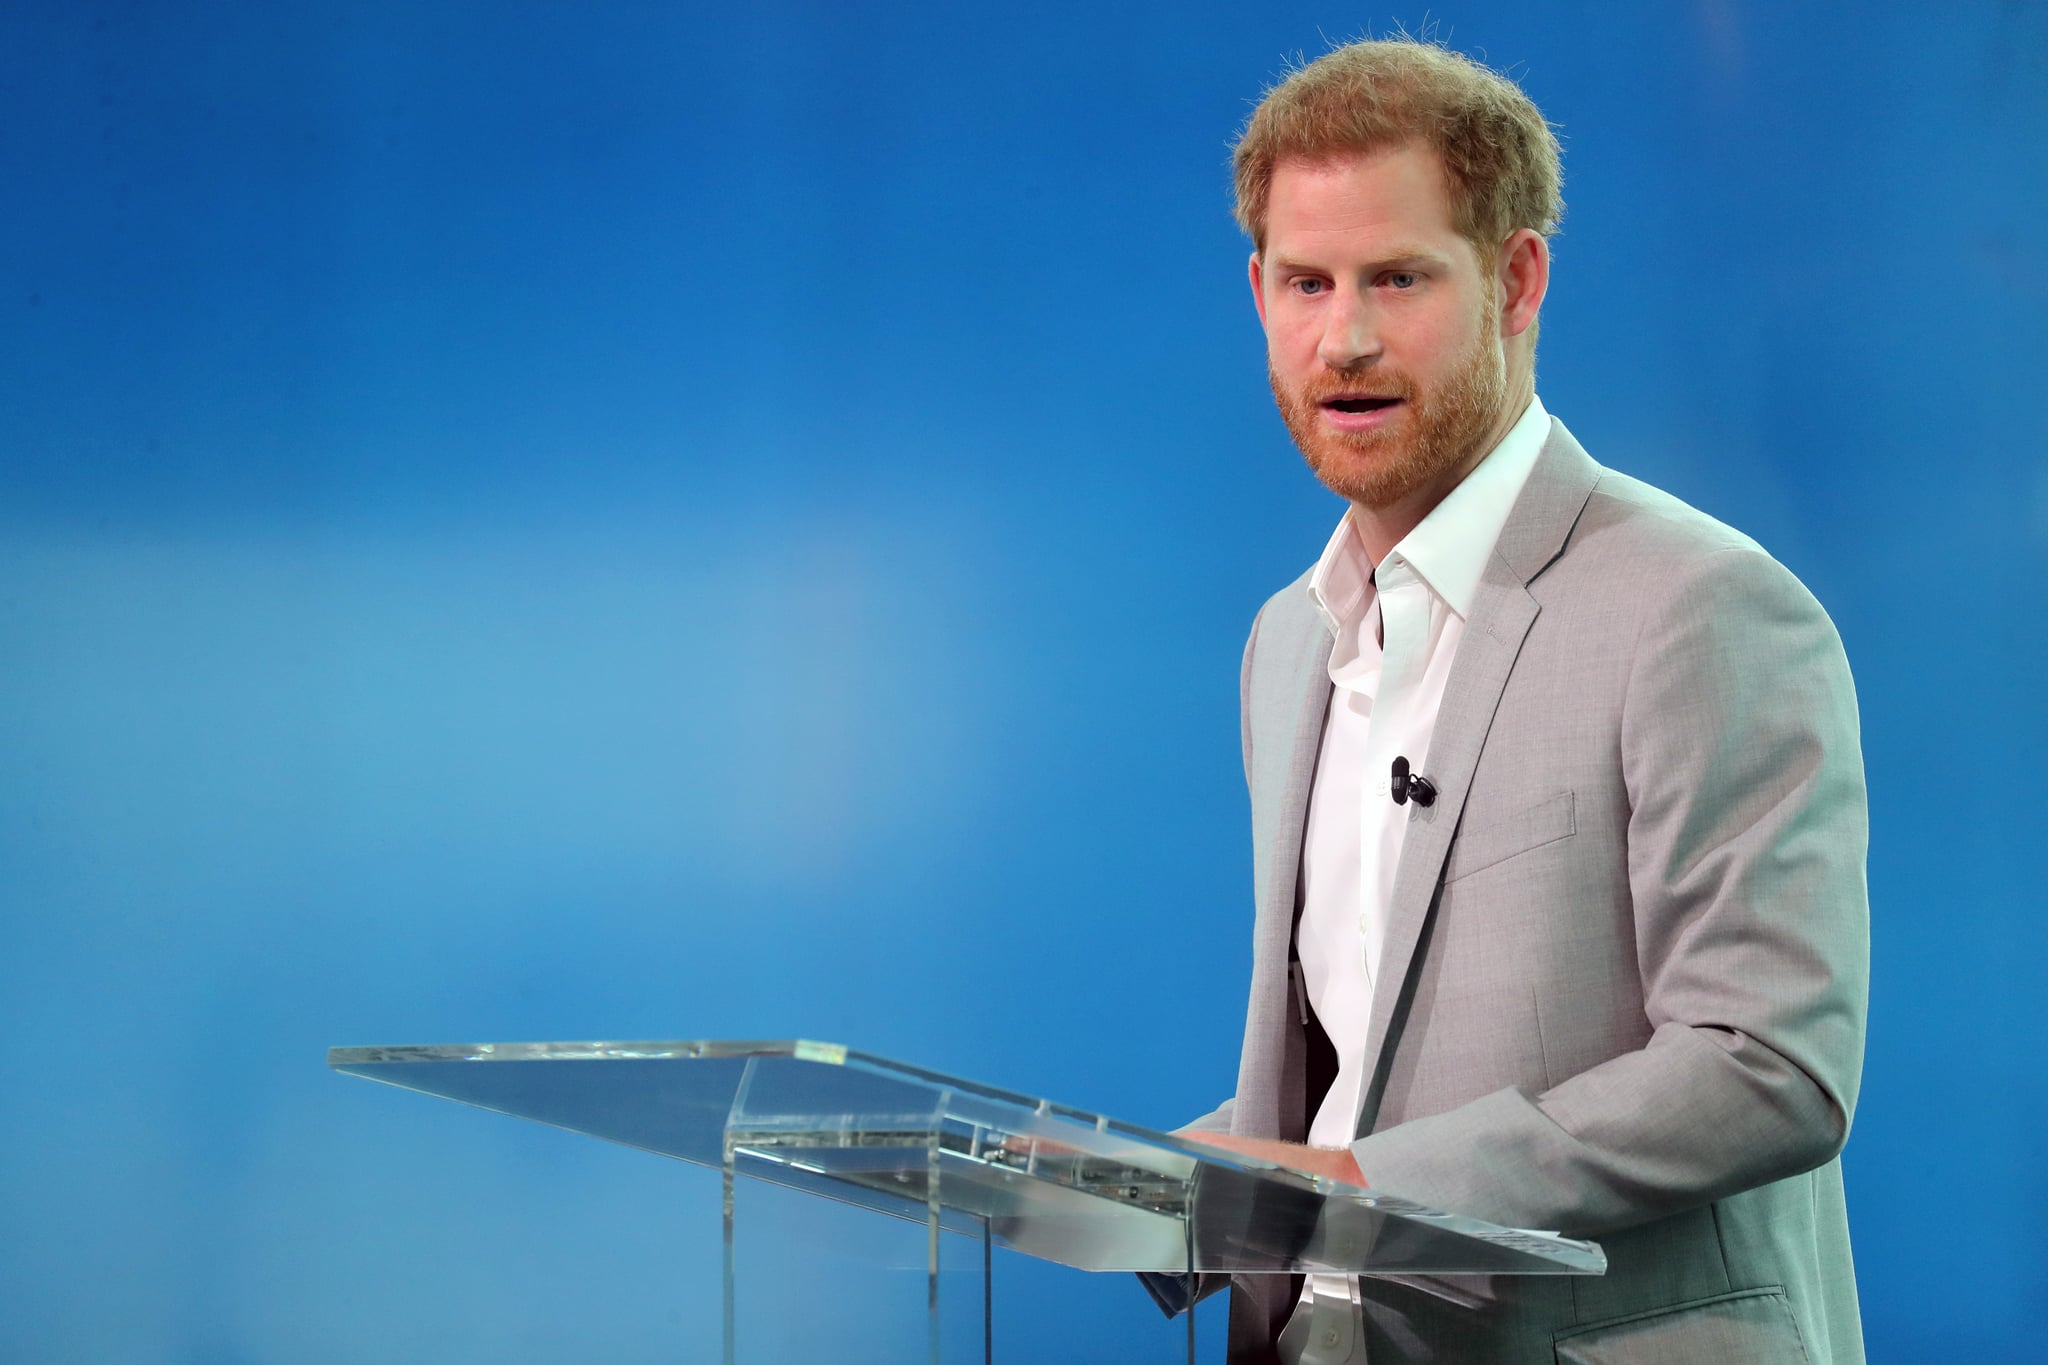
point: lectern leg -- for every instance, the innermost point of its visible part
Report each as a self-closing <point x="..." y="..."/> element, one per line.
<point x="988" y="1296"/>
<point x="932" y="1209"/>
<point x="726" y="1176"/>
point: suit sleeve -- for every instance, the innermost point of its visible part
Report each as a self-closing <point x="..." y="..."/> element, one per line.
<point x="1220" y="1119"/>
<point x="1746" y="838"/>
<point x="1176" y="1293"/>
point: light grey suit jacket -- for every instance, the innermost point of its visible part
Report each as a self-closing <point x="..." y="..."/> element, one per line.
<point x="1624" y="979"/>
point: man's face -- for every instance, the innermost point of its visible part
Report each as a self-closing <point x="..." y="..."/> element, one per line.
<point x="1382" y="323"/>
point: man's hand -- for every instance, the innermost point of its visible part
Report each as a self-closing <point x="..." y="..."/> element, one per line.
<point x="1331" y="1165"/>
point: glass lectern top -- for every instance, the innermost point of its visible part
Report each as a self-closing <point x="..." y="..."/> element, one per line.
<point x="1052" y="1181"/>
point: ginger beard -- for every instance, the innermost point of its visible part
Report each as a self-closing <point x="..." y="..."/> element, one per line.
<point x="1437" y="431"/>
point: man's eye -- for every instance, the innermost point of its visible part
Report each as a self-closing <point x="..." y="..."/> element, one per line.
<point x="1404" y="279"/>
<point x="1308" y="285"/>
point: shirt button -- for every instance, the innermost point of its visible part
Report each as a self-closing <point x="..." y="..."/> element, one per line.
<point x="1329" y="1336"/>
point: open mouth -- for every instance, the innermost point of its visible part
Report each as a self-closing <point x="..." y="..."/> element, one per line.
<point x="1359" y="404"/>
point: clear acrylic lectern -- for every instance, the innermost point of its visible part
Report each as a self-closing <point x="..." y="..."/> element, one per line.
<point x="1001" y="1169"/>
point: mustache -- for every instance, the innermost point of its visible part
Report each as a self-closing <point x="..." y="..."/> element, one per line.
<point x="1327" y="384"/>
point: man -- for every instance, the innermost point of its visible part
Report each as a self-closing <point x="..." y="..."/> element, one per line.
<point x="1557" y="802"/>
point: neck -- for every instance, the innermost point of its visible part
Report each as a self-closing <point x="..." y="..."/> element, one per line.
<point x="1380" y="529"/>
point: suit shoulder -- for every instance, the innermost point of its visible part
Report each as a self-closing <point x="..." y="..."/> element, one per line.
<point x="1287" y="631"/>
<point x="1645" y="538"/>
<point x="1641" y="518"/>
<point x="1288" y="605"/>
<point x="1658" y="569"/>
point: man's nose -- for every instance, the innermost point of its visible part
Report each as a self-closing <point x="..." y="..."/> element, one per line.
<point x="1350" y="333"/>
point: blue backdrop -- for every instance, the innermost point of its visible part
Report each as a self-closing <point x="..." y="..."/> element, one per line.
<point x="664" y="520"/>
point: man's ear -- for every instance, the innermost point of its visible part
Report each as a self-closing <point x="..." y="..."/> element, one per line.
<point x="1258" y="277"/>
<point x="1524" y="279"/>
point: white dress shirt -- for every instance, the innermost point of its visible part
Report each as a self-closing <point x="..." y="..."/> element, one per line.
<point x="1397" y="628"/>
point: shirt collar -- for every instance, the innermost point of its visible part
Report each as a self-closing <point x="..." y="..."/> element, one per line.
<point x="1341" y="586"/>
<point x="1449" y="548"/>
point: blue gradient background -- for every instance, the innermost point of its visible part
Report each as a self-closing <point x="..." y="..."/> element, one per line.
<point x="660" y="520"/>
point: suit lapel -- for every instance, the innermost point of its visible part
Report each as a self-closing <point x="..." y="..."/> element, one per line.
<point x="1287" y="695"/>
<point x="1312" y="709"/>
<point x="1502" y="615"/>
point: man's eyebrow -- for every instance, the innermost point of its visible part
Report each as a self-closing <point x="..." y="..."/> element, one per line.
<point x="1409" y="258"/>
<point x="1400" y="258"/>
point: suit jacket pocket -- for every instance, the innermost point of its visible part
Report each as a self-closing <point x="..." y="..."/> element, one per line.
<point x="1747" y="1327"/>
<point x="1497" y="841"/>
